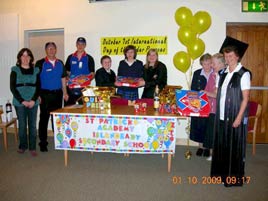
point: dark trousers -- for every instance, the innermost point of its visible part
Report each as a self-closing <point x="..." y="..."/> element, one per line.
<point x="74" y="96"/>
<point x="50" y="100"/>
<point x="27" y="116"/>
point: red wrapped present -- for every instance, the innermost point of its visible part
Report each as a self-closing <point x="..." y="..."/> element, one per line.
<point x="80" y="81"/>
<point x="128" y="81"/>
<point x="192" y="103"/>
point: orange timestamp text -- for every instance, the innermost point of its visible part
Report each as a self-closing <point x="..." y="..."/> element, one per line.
<point x="207" y="180"/>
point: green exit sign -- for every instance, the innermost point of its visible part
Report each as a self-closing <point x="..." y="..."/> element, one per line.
<point x="254" y="6"/>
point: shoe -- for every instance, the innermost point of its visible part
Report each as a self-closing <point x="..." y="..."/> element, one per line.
<point x="206" y="153"/>
<point x="209" y="158"/>
<point x="199" y="152"/>
<point x="43" y="149"/>
<point x="21" y="151"/>
<point x="33" y="153"/>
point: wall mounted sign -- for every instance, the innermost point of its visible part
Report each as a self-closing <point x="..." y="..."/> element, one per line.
<point x="254" y="6"/>
<point x="116" y="45"/>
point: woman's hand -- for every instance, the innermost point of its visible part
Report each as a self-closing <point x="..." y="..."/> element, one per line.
<point x="141" y="83"/>
<point x="31" y="103"/>
<point x="117" y="84"/>
<point x="237" y="122"/>
<point x="25" y="103"/>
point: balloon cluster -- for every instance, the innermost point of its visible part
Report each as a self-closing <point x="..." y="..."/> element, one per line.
<point x="191" y="26"/>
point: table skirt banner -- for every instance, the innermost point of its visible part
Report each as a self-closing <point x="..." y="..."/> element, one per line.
<point x="118" y="134"/>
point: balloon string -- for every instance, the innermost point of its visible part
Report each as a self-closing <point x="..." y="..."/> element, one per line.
<point x="188" y="132"/>
<point x="189" y="79"/>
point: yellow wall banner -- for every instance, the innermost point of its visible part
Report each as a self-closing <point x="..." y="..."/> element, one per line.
<point x="116" y="45"/>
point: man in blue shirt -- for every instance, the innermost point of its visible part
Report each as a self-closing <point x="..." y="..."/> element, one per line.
<point x="52" y="89"/>
<point x="79" y="63"/>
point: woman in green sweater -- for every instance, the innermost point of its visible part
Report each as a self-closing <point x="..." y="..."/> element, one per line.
<point x="24" y="85"/>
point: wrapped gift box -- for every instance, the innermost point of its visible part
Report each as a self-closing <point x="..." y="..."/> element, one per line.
<point x="97" y="97"/>
<point x="80" y="81"/>
<point x="192" y="103"/>
<point x="128" y="81"/>
<point x="168" y="99"/>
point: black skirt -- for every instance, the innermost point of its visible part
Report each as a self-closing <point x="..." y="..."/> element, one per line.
<point x="198" y="128"/>
<point x="208" y="138"/>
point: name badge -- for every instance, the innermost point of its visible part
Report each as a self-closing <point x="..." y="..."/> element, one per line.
<point x="74" y="62"/>
<point x="80" y="64"/>
<point x="49" y="69"/>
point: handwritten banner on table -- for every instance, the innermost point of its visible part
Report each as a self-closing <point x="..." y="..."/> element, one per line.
<point x="116" y="45"/>
<point x="114" y="133"/>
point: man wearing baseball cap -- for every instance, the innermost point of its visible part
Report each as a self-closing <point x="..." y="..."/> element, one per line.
<point x="79" y="63"/>
<point x="52" y="90"/>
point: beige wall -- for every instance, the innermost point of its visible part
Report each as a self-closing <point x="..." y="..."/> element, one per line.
<point x="126" y="18"/>
<point x="36" y="42"/>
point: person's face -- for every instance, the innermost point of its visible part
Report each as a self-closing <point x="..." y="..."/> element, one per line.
<point x="130" y="54"/>
<point x="215" y="64"/>
<point x="106" y="63"/>
<point x="152" y="57"/>
<point x="231" y="59"/>
<point x="80" y="47"/>
<point x="25" y="59"/>
<point x="206" y="65"/>
<point x="51" y="51"/>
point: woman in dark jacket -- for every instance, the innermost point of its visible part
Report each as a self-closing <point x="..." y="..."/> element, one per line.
<point x="155" y="73"/>
<point x="199" y="124"/>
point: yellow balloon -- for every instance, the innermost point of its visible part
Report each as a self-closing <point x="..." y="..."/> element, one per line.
<point x="182" y="61"/>
<point x="58" y="123"/>
<point x="146" y="145"/>
<point x="186" y="35"/>
<point x="201" y="21"/>
<point x="183" y="16"/>
<point x="196" y="48"/>
<point x="155" y="144"/>
<point x="74" y="125"/>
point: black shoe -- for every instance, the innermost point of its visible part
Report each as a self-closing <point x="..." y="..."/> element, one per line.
<point x="199" y="152"/>
<point x="43" y="149"/>
<point x="43" y="146"/>
<point x="206" y="153"/>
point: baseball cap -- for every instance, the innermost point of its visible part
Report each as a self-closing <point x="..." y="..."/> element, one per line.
<point x="240" y="45"/>
<point x="50" y="44"/>
<point x="81" y="40"/>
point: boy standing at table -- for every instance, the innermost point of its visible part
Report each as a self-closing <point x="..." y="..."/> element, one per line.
<point x="105" y="76"/>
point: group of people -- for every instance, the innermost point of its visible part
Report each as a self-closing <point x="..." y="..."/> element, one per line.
<point x="44" y="84"/>
<point x="222" y="135"/>
<point x="153" y="73"/>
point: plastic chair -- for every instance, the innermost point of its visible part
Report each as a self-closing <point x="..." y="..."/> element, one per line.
<point x="254" y="114"/>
